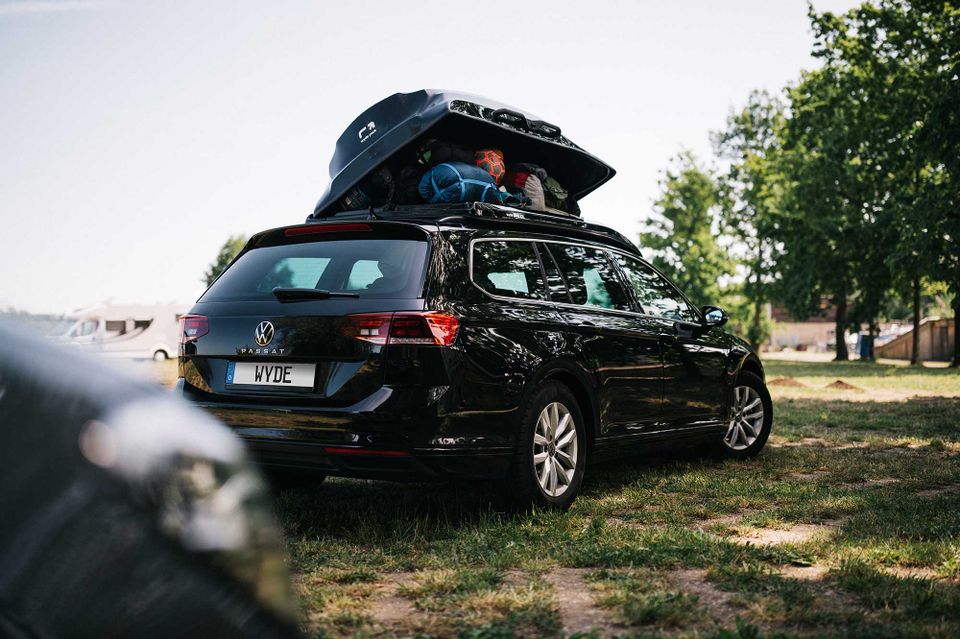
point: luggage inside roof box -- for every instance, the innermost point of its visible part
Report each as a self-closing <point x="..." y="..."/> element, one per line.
<point x="394" y="127"/>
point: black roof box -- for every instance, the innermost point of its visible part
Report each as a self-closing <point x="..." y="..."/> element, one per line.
<point x="403" y="119"/>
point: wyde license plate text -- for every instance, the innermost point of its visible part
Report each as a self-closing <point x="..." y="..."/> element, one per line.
<point x="293" y="375"/>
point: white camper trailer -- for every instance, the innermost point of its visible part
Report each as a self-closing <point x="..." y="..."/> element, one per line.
<point x="145" y="332"/>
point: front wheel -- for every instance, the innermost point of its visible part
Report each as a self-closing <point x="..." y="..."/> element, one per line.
<point x="750" y="420"/>
<point x="551" y="450"/>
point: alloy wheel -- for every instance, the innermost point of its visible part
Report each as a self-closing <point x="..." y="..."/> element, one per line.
<point x="555" y="449"/>
<point x="746" y="420"/>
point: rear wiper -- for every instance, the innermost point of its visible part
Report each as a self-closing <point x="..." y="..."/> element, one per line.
<point x="298" y="294"/>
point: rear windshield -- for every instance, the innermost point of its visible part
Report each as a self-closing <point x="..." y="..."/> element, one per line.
<point x="368" y="268"/>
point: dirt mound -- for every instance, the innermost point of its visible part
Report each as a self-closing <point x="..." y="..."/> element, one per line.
<point x="788" y="382"/>
<point x="842" y="385"/>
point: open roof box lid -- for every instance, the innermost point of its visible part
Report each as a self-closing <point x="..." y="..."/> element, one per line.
<point x="392" y="129"/>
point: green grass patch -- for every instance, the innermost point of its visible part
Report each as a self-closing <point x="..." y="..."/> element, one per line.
<point x="863" y="464"/>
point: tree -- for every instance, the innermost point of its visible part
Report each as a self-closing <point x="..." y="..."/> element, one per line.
<point x="750" y="195"/>
<point x="820" y="217"/>
<point x="899" y="62"/>
<point x="228" y="251"/>
<point x="681" y="237"/>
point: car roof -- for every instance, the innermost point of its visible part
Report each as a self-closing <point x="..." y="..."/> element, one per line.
<point x="479" y="215"/>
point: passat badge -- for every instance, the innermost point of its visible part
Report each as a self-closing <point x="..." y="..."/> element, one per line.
<point x="264" y="333"/>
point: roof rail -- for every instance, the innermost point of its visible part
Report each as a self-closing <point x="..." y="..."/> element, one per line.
<point x="437" y="212"/>
<point x="447" y="213"/>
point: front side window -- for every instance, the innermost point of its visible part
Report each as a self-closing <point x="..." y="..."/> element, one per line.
<point x="591" y="278"/>
<point x="508" y="268"/>
<point x="654" y="293"/>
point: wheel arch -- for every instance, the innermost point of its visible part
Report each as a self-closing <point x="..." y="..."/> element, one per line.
<point x="751" y="364"/>
<point x="579" y="383"/>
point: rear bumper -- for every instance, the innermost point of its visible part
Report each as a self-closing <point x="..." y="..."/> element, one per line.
<point x="373" y="463"/>
<point x="405" y="438"/>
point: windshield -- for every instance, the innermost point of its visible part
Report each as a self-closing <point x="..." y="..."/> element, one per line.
<point x="367" y="268"/>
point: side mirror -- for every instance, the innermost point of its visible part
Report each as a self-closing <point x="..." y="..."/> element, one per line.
<point x="714" y="316"/>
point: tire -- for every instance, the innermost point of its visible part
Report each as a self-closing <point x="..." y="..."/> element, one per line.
<point x="160" y="356"/>
<point x="537" y="451"/>
<point x="746" y="433"/>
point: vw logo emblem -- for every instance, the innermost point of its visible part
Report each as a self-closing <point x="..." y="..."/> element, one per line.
<point x="264" y="333"/>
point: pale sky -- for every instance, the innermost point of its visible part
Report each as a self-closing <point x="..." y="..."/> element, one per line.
<point x="136" y="136"/>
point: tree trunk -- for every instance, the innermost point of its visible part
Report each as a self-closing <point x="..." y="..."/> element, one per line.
<point x="757" y="322"/>
<point x="915" y="345"/>
<point x="841" y="328"/>
<point x="956" y="331"/>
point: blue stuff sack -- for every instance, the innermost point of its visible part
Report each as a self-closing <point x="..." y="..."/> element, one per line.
<point x="461" y="182"/>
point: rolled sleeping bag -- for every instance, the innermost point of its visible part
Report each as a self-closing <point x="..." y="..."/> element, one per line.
<point x="527" y="184"/>
<point x="458" y="182"/>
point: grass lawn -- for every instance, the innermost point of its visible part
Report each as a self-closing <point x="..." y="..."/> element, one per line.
<point x="847" y="525"/>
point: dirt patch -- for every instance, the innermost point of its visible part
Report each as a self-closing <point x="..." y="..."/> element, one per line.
<point x="786" y="382"/>
<point x="940" y="490"/>
<point x="723" y="521"/>
<point x="388" y="608"/>
<point x="867" y="483"/>
<point x="625" y="523"/>
<point x="819" y="442"/>
<point x="716" y="602"/>
<point x="911" y="572"/>
<point x="843" y="386"/>
<point x="577" y="610"/>
<point x="796" y="534"/>
<point x="814" y="442"/>
<point x="811" y="476"/>
<point x="805" y="573"/>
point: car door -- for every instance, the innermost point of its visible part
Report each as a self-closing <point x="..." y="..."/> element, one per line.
<point x="620" y="347"/>
<point x="694" y="393"/>
<point x="511" y="327"/>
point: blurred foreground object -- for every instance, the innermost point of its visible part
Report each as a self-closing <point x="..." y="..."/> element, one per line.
<point x="124" y="512"/>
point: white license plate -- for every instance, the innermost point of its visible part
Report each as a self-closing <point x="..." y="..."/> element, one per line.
<point x="259" y="374"/>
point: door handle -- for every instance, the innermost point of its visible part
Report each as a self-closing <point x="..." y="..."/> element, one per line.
<point x="586" y="323"/>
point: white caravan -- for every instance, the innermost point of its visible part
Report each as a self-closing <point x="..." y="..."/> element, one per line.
<point x="146" y="332"/>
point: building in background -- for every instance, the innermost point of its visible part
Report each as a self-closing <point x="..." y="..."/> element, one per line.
<point x="936" y="342"/>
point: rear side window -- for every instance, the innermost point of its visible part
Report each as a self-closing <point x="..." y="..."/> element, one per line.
<point x="370" y="268"/>
<point x="591" y="278"/>
<point x="654" y="293"/>
<point x="509" y="268"/>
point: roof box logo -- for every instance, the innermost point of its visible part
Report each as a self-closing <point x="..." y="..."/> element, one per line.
<point x="367" y="131"/>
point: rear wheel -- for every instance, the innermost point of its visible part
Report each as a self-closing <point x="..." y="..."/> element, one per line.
<point x="550" y="456"/>
<point x="750" y="420"/>
<point x="160" y="356"/>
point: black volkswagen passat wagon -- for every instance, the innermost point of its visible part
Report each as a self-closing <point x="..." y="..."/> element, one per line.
<point x="467" y="341"/>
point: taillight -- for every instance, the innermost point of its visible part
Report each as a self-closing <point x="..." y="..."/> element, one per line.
<point x="369" y="327"/>
<point x="192" y="327"/>
<point x="432" y="329"/>
<point x="411" y="328"/>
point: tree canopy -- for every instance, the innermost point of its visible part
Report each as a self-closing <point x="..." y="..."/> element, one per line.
<point x="846" y="188"/>
<point x="228" y="251"/>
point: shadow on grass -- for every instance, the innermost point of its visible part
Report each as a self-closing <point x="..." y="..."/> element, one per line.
<point x="921" y="417"/>
<point x="785" y="368"/>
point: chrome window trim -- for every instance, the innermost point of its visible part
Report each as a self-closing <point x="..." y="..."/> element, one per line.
<point x="534" y="240"/>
